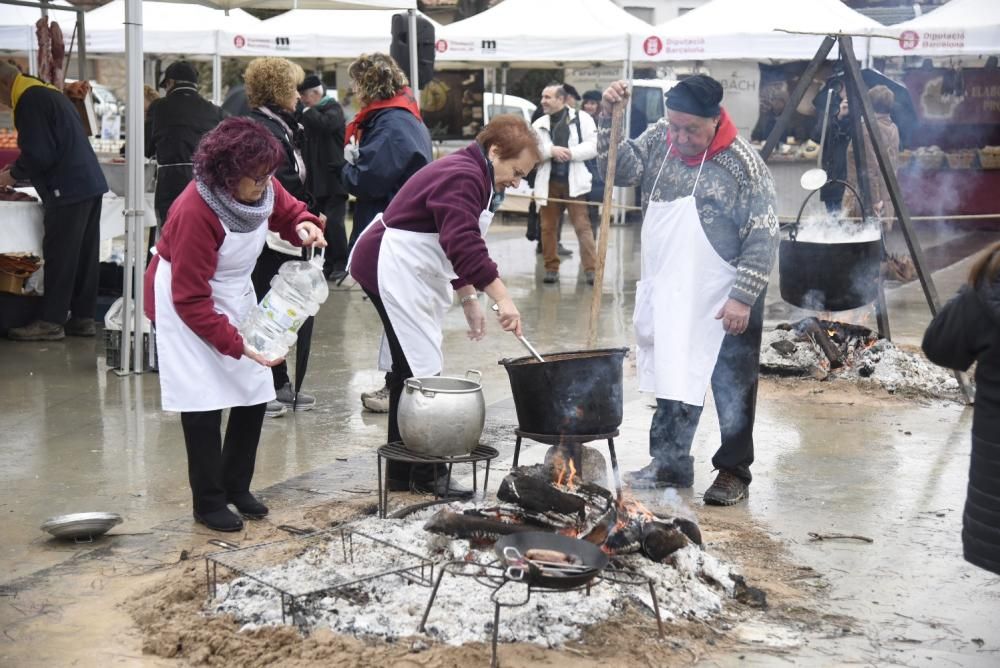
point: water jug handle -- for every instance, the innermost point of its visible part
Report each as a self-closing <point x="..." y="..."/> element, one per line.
<point x="474" y="372"/>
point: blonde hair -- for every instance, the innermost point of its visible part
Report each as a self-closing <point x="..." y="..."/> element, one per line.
<point x="377" y="77"/>
<point x="149" y="94"/>
<point x="882" y="99"/>
<point x="271" y="80"/>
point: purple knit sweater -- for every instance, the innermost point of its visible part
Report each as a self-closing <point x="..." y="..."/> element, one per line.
<point x="445" y="197"/>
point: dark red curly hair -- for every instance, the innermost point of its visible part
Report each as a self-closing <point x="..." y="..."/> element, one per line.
<point x="237" y="147"/>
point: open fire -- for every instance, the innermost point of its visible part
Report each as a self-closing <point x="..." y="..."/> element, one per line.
<point x="551" y="497"/>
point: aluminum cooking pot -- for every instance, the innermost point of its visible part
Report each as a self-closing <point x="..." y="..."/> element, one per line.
<point x="441" y="416"/>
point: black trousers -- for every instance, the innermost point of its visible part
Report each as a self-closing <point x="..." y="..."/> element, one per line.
<point x="394" y="379"/>
<point x="334" y="208"/>
<point x="734" y="387"/>
<point x="71" y="247"/>
<point x="268" y="264"/>
<point x="217" y="468"/>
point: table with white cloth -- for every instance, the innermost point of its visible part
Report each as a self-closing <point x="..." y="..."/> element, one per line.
<point x="21" y="228"/>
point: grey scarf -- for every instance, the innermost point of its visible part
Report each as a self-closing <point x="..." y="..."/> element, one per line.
<point x="237" y="216"/>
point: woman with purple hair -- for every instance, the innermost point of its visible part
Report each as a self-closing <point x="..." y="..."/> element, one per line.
<point x="198" y="289"/>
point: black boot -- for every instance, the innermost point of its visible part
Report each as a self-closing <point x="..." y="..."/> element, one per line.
<point x="248" y="505"/>
<point x="222" y="519"/>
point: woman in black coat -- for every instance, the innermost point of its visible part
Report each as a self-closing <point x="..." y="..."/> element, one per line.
<point x="967" y="330"/>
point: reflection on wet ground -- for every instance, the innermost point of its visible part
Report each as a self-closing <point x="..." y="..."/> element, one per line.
<point x="76" y="438"/>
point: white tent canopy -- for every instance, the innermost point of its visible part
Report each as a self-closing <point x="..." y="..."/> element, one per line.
<point x="167" y="28"/>
<point x="961" y="27"/>
<point x="307" y="4"/>
<point x="337" y="34"/>
<point x="17" y="25"/>
<point x="738" y="29"/>
<point x="542" y="31"/>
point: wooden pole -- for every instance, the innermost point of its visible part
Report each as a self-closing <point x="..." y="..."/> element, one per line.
<point x="617" y="122"/>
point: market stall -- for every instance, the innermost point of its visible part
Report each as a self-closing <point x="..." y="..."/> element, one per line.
<point x="958" y="28"/>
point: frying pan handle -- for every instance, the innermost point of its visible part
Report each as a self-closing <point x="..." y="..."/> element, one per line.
<point x="516" y="573"/>
<point x="511" y="553"/>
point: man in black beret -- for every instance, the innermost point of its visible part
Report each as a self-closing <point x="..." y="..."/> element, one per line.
<point x="323" y="119"/>
<point x="175" y="124"/>
<point x="709" y="239"/>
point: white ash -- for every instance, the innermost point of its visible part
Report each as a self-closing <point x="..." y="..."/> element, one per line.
<point x="882" y="365"/>
<point x="390" y="608"/>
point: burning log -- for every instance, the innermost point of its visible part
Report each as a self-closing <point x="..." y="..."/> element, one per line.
<point x="818" y="334"/>
<point x="549" y="498"/>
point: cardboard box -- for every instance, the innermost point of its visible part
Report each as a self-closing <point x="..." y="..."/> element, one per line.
<point x="11" y="283"/>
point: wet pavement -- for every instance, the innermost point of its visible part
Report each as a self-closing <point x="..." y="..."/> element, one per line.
<point x="79" y="438"/>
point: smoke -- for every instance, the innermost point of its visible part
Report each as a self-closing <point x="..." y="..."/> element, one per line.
<point x="833" y="229"/>
<point x="671" y="500"/>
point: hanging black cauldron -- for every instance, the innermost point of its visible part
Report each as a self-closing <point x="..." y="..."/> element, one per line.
<point x="828" y="276"/>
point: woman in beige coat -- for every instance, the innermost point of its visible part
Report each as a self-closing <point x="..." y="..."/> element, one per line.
<point x="881" y="206"/>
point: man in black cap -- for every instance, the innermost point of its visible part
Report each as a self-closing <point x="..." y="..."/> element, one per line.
<point x="323" y="119"/>
<point x="709" y="239"/>
<point x="176" y="123"/>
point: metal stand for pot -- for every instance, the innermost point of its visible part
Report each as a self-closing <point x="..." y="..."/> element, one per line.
<point x="859" y="100"/>
<point x="397" y="452"/>
<point x="573" y="444"/>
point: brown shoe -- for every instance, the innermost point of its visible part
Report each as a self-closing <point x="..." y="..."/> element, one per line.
<point x="728" y="489"/>
<point x="80" y="327"/>
<point x="40" y="330"/>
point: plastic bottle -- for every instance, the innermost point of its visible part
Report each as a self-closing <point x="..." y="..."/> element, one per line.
<point x="297" y="291"/>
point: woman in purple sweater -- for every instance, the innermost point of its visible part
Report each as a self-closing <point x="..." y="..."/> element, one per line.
<point x="430" y="240"/>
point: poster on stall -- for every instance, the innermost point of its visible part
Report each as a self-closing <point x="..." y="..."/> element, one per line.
<point x="452" y="104"/>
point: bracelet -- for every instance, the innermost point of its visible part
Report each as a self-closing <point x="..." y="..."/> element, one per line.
<point x="469" y="298"/>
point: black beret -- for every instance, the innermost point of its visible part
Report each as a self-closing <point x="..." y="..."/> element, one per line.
<point x="311" y="81"/>
<point x="699" y="95"/>
<point x="180" y="71"/>
<point x="571" y="90"/>
<point x="592" y="96"/>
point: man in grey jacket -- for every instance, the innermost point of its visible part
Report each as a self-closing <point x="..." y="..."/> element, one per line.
<point x="696" y="150"/>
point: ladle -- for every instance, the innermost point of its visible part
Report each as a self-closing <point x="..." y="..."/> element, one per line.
<point x="816" y="178"/>
<point x="524" y="341"/>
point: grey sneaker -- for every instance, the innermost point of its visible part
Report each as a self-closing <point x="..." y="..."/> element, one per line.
<point x="589" y="276"/>
<point x="275" y="409"/>
<point x="564" y="252"/>
<point x="80" y="327"/>
<point x="728" y="489"/>
<point x="40" y="330"/>
<point x="304" y="402"/>
<point x="377" y="401"/>
<point x="551" y="277"/>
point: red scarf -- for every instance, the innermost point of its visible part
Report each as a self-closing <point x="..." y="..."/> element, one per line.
<point x="725" y="134"/>
<point x="403" y="100"/>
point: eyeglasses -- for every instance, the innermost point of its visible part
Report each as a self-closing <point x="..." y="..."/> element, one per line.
<point x="261" y="180"/>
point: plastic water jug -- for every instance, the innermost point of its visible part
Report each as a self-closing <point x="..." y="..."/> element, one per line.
<point x="296" y="293"/>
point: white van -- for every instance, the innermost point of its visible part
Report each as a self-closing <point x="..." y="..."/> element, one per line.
<point x="648" y="98"/>
<point x="495" y="104"/>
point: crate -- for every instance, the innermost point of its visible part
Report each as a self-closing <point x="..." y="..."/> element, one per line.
<point x="961" y="159"/>
<point x="989" y="160"/>
<point x="113" y="348"/>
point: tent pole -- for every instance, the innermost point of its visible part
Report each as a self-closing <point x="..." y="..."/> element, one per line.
<point x="81" y="45"/>
<point x="135" y="251"/>
<point x="414" y="65"/>
<point x="217" y="78"/>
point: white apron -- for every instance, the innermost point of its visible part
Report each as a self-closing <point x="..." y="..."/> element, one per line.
<point x="414" y="282"/>
<point x="684" y="284"/>
<point x="194" y="375"/>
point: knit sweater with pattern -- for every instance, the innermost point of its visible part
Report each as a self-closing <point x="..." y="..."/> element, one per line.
<point x="735" y="198"/>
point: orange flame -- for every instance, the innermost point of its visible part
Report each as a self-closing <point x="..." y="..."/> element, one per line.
<point x="565" y="471"/>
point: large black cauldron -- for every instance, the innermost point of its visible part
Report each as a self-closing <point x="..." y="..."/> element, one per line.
<point x="569" y="394"/>
<point x="828" y="276"/>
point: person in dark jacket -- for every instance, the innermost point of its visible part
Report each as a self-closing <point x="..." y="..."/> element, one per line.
<point x="386" y="143"/>
<point x="177" y="123"/>
<point x="967" y="330"/>
<point x="272" y="89"/>
<point x="323" y="119"/>
<point x="57" y="158"/>
<point x="838" y="137"/>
